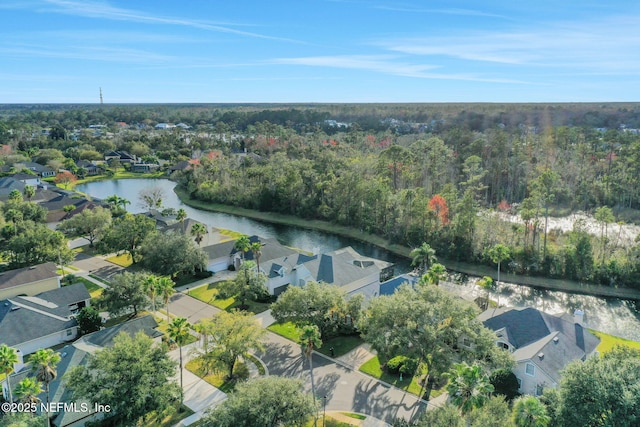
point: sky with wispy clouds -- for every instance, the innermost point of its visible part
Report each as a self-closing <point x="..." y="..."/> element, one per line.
<point x="64" y="51"/>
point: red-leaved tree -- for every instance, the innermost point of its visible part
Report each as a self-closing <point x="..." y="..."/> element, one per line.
<point x="438" y="205"/>
<point x="65" y="178"/>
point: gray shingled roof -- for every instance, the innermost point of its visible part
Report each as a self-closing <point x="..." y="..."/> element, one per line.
<point x="21" y="276"/>
<point x="104" y="338"/>
<point x="219" y="250"/>
<point x="19" y="325"/>
<point x="183" y="227"/>
<point x="536" y="333"/>
<point x="56" y="301"/>
<point x="523" y="326"/>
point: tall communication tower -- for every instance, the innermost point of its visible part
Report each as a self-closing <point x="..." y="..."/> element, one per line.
<point x="100" y="95"/>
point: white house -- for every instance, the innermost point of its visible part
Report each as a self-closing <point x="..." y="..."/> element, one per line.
<point x="221" y="256"/>
<point x="77" y="354"/>
<point x="29" y="323"/>
<point x="344" y="267"/>
<point x="542" y="344"/>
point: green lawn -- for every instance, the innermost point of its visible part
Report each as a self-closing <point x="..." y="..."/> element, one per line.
<point x="171" y="420"/>
<point x="123" y="260"/>
<point x="66" y="270"/>
<point x="287" y="330"/>
<point x="217" y="379"/>
<point x="94" y="290"/>
<point x="408" y="383"/>
<point x="208" y="294"/>
<point x="607" y="342"/>
<point x="352" y="415"/>
<point x="341" y="345"/>
<point x="99" y="279"/>
<point x="329" y="422"/>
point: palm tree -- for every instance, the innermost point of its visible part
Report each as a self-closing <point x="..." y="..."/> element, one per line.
<point x="43" y="364"/>
<point x="468" y="387"/>
<point x="528" y="411"/>
<point x="198" y="230"/>
<point x="28" y="390"/>
<point x="436" y="273"/>
<point x="487" y="284"/>
<point x="179" y="332"/>
<point x="113" y="201"/>
<point x="150" y="285"/>
<point x="165" y="289"/>
<point x="243" y="245"/>
<point x="181" y="215"/>
<point x="310" y="339"/>
<point x="499" y="253"/>
<point x="29" y="191"/>
<point x="423" y="256"/>
<point x="8" y="358"/>
<point x="124" y="202"/>
<point x="256" y="249"/>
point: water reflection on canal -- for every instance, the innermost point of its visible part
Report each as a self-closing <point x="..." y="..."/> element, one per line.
<point x="610" y="315"/>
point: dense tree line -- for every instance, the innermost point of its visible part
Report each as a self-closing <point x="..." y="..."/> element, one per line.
<point x="409" y="172"/>
<point x="434" y="189"/>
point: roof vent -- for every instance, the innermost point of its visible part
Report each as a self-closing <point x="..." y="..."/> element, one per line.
<point x="541" y="356"/>
<point x="556" y="339"/>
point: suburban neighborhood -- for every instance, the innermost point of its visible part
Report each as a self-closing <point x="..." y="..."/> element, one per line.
<point x="255" y="273"/>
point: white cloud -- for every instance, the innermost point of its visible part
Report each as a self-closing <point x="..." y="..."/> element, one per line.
<point x="453" y="11"/>
<point x="608" y="44"/>
<point x="386" y="64"/>
<point x="94" y="53"/>
<point x="95" y="9"/>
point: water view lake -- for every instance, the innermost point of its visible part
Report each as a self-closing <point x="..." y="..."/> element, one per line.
<point x="610" y="315"/>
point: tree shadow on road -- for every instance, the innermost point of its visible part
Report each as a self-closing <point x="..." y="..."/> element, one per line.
<point x="283" y="360"/>
<point x="372" y="397"/>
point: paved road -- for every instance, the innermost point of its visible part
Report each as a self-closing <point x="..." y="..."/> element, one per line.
<point x="96" y="265"/>
<point x="346" y="389"/>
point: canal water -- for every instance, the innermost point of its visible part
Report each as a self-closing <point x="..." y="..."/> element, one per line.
<point x="610" y="315"/>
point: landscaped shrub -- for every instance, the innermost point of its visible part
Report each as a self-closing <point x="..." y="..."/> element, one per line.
<point x="402" y="364"/>
<point x="505" y="382"/>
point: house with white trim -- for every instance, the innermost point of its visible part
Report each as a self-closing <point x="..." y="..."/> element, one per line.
<point x="346" y="268"/>
<point x="29" y="323"/>
<point x="29" y="280"/>
<point x="78" y="354"/>
<point x="541" y="344"/>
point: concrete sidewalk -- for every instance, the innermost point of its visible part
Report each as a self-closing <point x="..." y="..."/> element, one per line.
<point x="357" y="357"/>
<point x="199" y="395"/>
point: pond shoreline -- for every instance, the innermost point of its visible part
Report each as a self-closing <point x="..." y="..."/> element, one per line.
<point x="403" y="251"/>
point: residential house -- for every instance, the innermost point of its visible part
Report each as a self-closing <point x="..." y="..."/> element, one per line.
<point x="183" y="165"/>
<point x="144" y="167"/>
<point x="212" y="236"/>
<point x="89" y="168"/>
<point x="29" y="280"/>
<point x="78" y="354"/>
<point x="346" y="268"/>
<point x="391" y="285"/>
<point x="223" y="255"/>
<point x="8" y="184"/>
<point x="542" y="344"/>
<point x="40" y="170"/>
<point x="164" y="126"/>
<point x="121" y="156"/>
<point x="56" y="206"/>
<point x="28" y="179"/>
<point x="29" y="323"/>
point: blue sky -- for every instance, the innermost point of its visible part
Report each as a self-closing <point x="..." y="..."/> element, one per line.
<point x="319" y="51"/>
